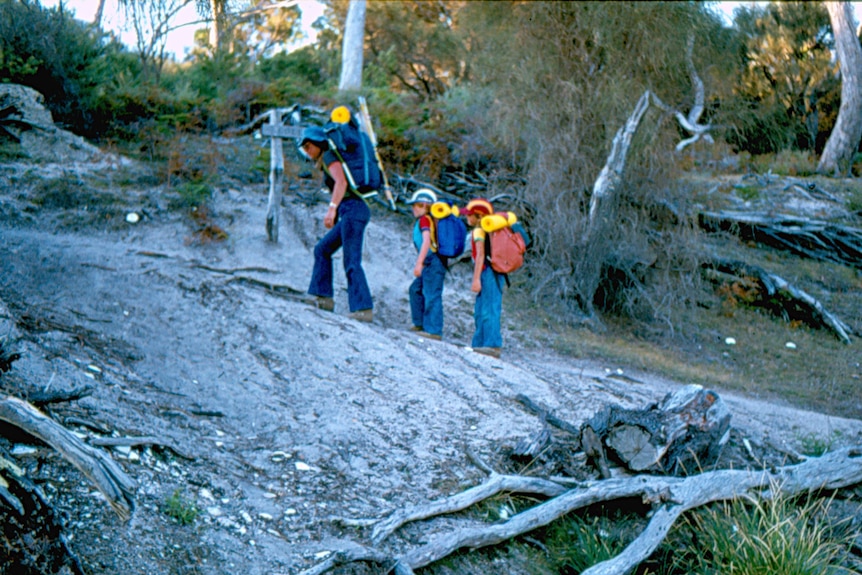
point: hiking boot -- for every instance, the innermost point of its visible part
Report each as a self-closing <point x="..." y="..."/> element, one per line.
<point x="490" y="351"/>
<point x="415" y="328"/>
<point x="362" y="315"/>
<point x="324" y="303"/>
<point x="427" y="335"/>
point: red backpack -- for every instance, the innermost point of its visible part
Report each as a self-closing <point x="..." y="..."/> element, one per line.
<point x="505" y="246"/>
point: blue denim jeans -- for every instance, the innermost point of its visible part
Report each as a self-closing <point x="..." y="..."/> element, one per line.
<point x="488" y="309"/>
<point x="348" y="232"/>
<point x="426" y="296"/>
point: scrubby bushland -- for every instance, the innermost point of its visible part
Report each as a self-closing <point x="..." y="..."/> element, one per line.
<point x="66" y="60"/>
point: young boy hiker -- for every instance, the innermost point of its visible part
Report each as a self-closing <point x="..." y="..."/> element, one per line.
<point x="346" y="219"/>
<point x="487" y="284"/>
<point x="426" y="291"/>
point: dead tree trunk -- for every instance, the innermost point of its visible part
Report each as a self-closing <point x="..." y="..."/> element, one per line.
<point x="117" y="487"/>
<point x="844" y="139"/>
<point x="804" y="237"/>
<point x="777" y="295"/>
<point x="601" y="209"/>
<point x="683" y="432"/>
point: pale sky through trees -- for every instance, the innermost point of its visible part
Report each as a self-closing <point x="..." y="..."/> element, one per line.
<point x="181" y="40"/>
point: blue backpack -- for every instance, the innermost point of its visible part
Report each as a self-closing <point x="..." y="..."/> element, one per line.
<point x="449" y="232"/>
<point x="356" y="153"/>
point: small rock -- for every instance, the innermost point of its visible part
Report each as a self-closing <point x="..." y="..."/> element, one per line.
<point x="790" y="345"/>
<point x="730" y="341"/>
<point x="133" y="218"/>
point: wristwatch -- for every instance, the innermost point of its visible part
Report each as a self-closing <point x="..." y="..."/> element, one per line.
<point x="333" y="205"/>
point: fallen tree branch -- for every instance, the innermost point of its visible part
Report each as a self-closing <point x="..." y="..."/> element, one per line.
<point x="670" y="497"/>
<point x="135" y="441"/>
<point x="40" y="398"/>
<point x="547" y="415"/>
<point x="495" y="484"/>
<point x="97" y="466"/>
<point x="813" y="239"/>
<point x="773" y="286"/>
<point x="344" y="556"/>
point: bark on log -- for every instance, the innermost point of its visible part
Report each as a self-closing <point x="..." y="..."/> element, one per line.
<point x="495" y="484"/>
<point x="679" y="434"/>
<point x="98" y="467"/>
<point x="773" y="289"/>
<point x="804" y="237"/>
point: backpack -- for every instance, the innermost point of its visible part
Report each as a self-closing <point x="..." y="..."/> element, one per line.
<point x="505" y="246"/>
<point x="449" y="233"/>
<point x="355" y="152"/>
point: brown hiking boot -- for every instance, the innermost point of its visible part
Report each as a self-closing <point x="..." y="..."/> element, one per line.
<point x="362" y="315"/>
<point x="415" y="328"/>
<point x="324" y="303"/>
<point x="490" y="351"/>
<point x="427" y="335"/>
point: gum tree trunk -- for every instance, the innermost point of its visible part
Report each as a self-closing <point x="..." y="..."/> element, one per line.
<point x="843" y="141"/>
<point x="351" y="50"/>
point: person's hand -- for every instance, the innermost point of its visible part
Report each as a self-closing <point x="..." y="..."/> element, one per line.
<point x="417" y="269"/>
<point x="477" y="285"/>
<point x="329" y="219"/>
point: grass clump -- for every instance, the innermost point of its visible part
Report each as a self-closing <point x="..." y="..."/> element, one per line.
<point x="814" y="445"/>
<point x="762" y="537"/>
<point x="179" y="509"/>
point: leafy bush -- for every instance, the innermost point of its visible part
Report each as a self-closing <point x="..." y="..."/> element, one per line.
<point x="179" y="509"/>
<point x="65" y="60"/>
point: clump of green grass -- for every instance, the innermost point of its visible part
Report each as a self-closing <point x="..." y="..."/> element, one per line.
<point x="191" y="195"/>
<point x="815" y="445"/>
<point x="747" y="193"/>
<point x="746" y="537"/>
<point x="577" y="543"/>
<point x="178" y="508"/>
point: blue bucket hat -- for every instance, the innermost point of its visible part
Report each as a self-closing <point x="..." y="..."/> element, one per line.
<point x="313" y="134"/>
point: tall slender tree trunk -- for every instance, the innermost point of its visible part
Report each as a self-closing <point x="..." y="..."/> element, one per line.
<point x="216" y="8"/>
<point x="844" y="140"/>
<point x="354" y="43"/>
<point x="97" y="19"/>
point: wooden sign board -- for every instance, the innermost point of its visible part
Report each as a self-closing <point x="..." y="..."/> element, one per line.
<point x="280" y="131"/>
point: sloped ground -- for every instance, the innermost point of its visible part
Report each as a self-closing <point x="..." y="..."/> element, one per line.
<point x="292" y="418"/>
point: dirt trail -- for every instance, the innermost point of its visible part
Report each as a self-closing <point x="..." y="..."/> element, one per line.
<point x="294" y="416"/>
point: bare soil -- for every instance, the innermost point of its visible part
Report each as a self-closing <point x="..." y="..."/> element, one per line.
<point x="292" y="419"/>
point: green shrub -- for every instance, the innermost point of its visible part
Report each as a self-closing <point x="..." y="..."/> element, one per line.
<point x="191" y="195"/>
<point x="179" y="509"/>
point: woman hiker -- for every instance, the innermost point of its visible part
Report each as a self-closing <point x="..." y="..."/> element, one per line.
<point x="346" y="219"/>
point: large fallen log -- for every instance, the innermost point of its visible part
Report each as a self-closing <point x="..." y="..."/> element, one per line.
<point x="804" y="237"/>
<point x="670" y="497"/>
<point x="773" y="290"/>
<point x="117" y="487"/>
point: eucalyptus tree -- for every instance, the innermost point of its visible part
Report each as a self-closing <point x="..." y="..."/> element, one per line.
<point x="844" y="140"/>
<point x="409" y="47"/>
<point x="353" y="46"/>
<point x="787" y="79"/>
